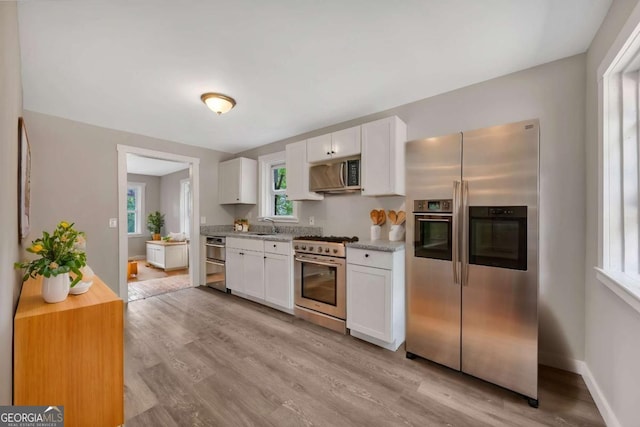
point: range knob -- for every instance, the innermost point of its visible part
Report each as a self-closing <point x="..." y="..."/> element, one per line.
<point x="327" y="250"/>
<point x="310" y="248"/>
<point x="296" y="247"/>
<point x="335" y="251"/>
<point x="304" y="248"/>
<point x="319" y="250"/>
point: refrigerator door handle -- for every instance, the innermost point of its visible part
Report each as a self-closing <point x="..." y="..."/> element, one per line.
<point x="455" y="232"/>
<point x="465" y="233"/>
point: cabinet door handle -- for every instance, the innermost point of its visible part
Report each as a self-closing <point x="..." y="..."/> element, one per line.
<point x="274" y="246"/>
<point x="328" y="153"/>
<point x="333" y="152"/>
<point x="366" y="255"/>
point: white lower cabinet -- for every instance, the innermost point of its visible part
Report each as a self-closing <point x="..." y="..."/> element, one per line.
<point x="253" y="273"/>
<point x="376" y="297"/>
<point x="168" y="256"/>
<point x="261" y="271"/>
<point x="277" y="280"/>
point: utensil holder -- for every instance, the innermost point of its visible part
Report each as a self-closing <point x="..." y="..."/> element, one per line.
<point x="376" y="232"/>
<point x="396" y="233"/>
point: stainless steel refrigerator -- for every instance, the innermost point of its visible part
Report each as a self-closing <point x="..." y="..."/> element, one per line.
<point x="472" y="253"/>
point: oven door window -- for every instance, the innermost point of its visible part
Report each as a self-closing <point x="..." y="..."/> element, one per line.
<point x="433" y="237"/>
<point x="498" y="242"/>
<point x="319" y="283"/>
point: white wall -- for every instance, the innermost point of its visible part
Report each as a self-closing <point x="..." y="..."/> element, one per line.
<point x="75" y="178"/>
<point x="137" y="245"/>
<point x="612" y="336"/>
<point x="554" y="93"/>
<point x="10" y="110"/>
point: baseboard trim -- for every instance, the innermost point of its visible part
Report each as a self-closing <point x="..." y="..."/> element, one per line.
<point x="561" y="362"/>
<point x="581" y="368"/>
<point x="602" y="403"/>
<point x="137" y="258"/>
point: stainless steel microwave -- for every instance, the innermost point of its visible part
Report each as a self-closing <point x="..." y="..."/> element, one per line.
<point x="343" y="176"/>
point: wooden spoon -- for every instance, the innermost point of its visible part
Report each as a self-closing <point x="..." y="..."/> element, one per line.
<point x="382" y="217"/>
<point x="401" y="217"/>
<point x="374" y="216"/>
<point x="393" y="217"/>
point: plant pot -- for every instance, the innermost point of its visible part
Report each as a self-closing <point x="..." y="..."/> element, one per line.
<point x="55" y="288"/>
<point x="155" y="236"/>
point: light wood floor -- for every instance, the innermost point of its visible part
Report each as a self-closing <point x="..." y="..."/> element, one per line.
<point x="198" y="357"/>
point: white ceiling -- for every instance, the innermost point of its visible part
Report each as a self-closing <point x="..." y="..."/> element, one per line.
<point x="292" y="65"/>
<point x="155" y="167"/>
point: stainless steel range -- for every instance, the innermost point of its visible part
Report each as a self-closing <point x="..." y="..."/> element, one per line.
<point x="320" y="277"/>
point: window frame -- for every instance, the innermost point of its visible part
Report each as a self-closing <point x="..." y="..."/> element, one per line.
<point x="618" y="250"/>
<point x="266" y="188"/>
<point x="140" y="188"/>
<point x="185" y="215"/>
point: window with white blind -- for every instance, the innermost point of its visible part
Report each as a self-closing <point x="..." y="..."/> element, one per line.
<point x="273" y="202"/>
<point x="135" y="208"/>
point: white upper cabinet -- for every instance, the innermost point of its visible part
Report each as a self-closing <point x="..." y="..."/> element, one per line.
<point x="298" y="173"/>
<point x="382" y="165"/>
<point x="238" y="181"/>
<point x="336" y="145"/>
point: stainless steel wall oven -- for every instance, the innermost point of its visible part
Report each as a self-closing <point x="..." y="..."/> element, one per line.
<point x="214" y="264"/>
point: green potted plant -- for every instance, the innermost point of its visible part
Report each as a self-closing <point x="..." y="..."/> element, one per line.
<point x="155" y="222"/>
<point x="59" y="254"/>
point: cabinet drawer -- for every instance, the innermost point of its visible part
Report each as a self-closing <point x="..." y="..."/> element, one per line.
<point x="282" y="248"/>
<point x="370" y="258"/>
<point x="246" y="244"/>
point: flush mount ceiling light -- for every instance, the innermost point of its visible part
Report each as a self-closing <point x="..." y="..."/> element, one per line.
<point x="217" y="102"/>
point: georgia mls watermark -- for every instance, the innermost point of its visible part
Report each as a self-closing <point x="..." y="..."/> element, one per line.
<point x="31" y="416"/>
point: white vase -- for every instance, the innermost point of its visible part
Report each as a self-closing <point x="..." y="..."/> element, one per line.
<point x="376" y="231"/>
<point x="55" y="288"/>
<point x="396" y="233"/>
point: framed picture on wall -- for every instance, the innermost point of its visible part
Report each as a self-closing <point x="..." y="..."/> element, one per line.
<point x="24" y="181"/>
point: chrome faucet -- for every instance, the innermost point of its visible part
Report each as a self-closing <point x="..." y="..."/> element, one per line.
<point x="274" y="229"/>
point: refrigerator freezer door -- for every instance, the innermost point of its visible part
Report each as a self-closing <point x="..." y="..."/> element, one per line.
<point x="500" y="305"/>
<point x="433" y="297"/>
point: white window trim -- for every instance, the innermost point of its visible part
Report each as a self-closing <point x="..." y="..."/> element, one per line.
<point x="183" y="212"/>
<point x="609" y="258"/>
<point x="142" y="186"/>
<point x="265" y="163"/>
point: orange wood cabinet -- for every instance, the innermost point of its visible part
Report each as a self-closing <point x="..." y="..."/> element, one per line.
<point x="71" y="354"/>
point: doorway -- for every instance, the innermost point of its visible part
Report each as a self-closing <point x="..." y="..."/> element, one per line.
<point x="144" y="176"/>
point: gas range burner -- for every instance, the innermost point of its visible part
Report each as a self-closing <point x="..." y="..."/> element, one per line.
<point x="330" y="239"/>
<point x="322" y="245"/>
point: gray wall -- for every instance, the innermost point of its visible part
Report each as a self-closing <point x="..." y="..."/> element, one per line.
<point x="170" y="199"/>
<point x="86" y="193"/>
<point x="612" y="326"/>
<point x="137" y="245"/>
<point x="10" y="110"/>
<point x="554" y="93"/>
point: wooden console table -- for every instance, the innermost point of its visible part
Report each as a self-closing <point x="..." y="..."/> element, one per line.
<point x="71" y="354"/>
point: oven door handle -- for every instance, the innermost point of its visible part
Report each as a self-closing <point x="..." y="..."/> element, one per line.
<point x="211" y="245"/>
<point x="313" y="261"/>
<point x="433" y="220"/>
<point x="210" y="261"/>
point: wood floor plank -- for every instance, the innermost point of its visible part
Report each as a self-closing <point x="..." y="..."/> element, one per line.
<point x="202" y="357"/>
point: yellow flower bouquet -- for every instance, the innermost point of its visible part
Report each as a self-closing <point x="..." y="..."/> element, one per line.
<point x="61" y="252"/>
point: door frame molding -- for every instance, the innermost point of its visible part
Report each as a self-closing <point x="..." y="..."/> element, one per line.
<point x="194" y="233"/>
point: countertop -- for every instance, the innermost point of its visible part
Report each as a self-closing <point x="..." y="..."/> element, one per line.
<point x="378" y="245"/>
<point x="279" y="237"/>
<point x="166" y="242"/>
